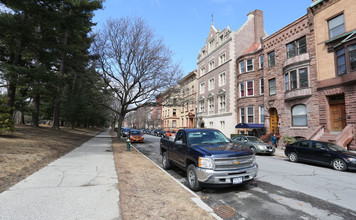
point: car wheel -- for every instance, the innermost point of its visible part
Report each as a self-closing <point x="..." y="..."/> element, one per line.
<point x="339" y="164"/>
<point x="293" y="157"/>
<point x="253" y="149"/>
<point x="192" y="178"/>
<point x="165" y="162"/>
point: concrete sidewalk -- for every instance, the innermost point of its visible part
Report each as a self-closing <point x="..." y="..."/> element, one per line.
<point x="80" y="185"/>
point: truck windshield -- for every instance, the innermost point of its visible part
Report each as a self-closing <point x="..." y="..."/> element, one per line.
<point x="207" y="137"/>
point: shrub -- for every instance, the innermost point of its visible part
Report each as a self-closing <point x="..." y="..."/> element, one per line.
<point x="288" y="140"/>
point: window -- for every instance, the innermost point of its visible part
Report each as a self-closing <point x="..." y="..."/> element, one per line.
<point x="262" y="114"/>
<point x="346" y="59"/>
<point x="211" y="124"/>
<point x="249" y="85"/>
<point x="222" y="125"/>
<point x="222" y="79"/>
<point x="262" y="86"/>
<point x="303" y="78"/>
<point x="271" y="61"/>
<point x="299" y="116"/>
<point x="212" y="45"/>
<point x="221" y="39"/>
<point x="336" y="26"/>
<point x="201" y="106"/>
<point x="291" y="79"/>
<point x="250" y="114"/>
<point x="202" y="88"/>
<point x="297" y="47"/>
<point x="202" y="71"/>
<point x="174" y="123"/>
<point x="272" y="86"/>
<point x="242" y="90"/>
<point x="242" y="115"/>
<point x="174" y="112"/>
<point x="211" y="65"/>
<point x="222" y="58"/>
<point x="242" y="66"/>
<point x="221" y="103"/>
<point x="211" y="106"/>
<point x="249" y="65"/>
<point x="261" y="61"/>
<point x="211" y="83"/>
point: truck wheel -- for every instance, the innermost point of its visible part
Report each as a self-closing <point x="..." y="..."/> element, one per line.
<point x="192" y="178"/>
<point x="165" y="162"/>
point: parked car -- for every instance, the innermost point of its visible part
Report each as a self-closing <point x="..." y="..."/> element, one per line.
<point x="170" y="133"/>
<point x="209" y="158"/>
<point x="254" y="143"/>
<point x="322" y="153"/>
<point x="159" y="133"/>
<point x="125" y="132"/>
<point x="136" y="136"/>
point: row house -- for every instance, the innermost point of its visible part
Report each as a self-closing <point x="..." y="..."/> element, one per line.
<point x="216" y="96"/>
<point x="289" y="74"/>
<point x="188" y="92"/>
<point x="170" y="105"/>
<point x="335" y="40"/>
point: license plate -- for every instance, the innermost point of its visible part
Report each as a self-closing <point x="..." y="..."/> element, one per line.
<point x="237" y="180"/>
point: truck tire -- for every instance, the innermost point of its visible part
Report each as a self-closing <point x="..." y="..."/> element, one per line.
<point x="192" y="178"/>
<point x="165" y="161"/>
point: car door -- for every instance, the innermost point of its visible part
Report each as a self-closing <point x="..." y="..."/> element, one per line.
<point x="303" y="150"/>
<point x="180" y="148"/>
<point x="320" y="153"/>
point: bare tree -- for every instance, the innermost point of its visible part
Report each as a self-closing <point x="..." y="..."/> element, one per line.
<point x="133" y="63"/>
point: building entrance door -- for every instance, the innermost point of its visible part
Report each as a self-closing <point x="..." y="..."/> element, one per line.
<point x="337" y="117"/>
<point x="273" y="121"/>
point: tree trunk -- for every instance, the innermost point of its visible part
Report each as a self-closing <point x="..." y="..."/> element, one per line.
<point x="36" y="110"/>
<point x="58" y="99"/>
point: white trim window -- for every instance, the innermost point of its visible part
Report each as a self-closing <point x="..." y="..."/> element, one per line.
<point x="202" y="87"/>
<point x="202" y="71"/>
<point x="222" y="103"/>
<point x="222" y="79"/>
<point x="242" y="89"/>
<point x="250" y="114"/>
<point x="211" y="65"/>
<point x="250" y="88"/>
<point x="222" y="58"/>
<point x="262" y="114"/>
<point x="222" y="125"/>
<point x="211" y="124"/>
<point x="211" y="106"/>
<point x="242" y="115"/>
<point x="242" y="66"/>
<point x="262" y="86"/>
<point x="249" y="65"/>
<point x="211" y="83"/>
<point x="201" y="106"/>
<point x="272" y="86"/>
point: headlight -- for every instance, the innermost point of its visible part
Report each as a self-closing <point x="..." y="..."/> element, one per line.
<point x="206" y="162"/>
<point x="262" y="147"/>
<point x="351" y="159"/>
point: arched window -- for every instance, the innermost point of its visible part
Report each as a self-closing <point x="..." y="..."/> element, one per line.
<point x="299" y="116"/>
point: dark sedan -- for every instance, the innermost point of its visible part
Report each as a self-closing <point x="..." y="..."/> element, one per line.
<point x="323" y="153"/>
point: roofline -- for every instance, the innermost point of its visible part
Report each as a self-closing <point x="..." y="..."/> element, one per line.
<point x="316" y="3"/>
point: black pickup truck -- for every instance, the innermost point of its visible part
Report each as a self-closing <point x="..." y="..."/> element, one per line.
<point x="209" y="158"/>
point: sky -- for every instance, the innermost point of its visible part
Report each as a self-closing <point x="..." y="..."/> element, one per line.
<point x="184" y="25"/>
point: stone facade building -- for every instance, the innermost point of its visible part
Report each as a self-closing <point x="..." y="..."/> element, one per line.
<point x="335" y="31"/>
<point x="216" y="72"/>
<point x="289" y="70"/>
<point x="188" y="92"/>
<point x="171" y="114"/>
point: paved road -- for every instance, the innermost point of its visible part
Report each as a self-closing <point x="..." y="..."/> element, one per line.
<point x="79" y="185"/>
<point x="282" y="190"/>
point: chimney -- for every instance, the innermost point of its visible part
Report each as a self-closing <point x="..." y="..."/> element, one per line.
<point x="258" y="25"/>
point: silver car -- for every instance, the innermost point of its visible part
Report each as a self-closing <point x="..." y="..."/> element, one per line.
<point x="254" y="143"/>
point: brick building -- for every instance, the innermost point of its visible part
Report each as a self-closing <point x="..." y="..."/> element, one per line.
<point x="188" y="91"/>
<point x="290" y="95"/>
<point x="216" y="72"/>
<point x="335" y="31"/>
